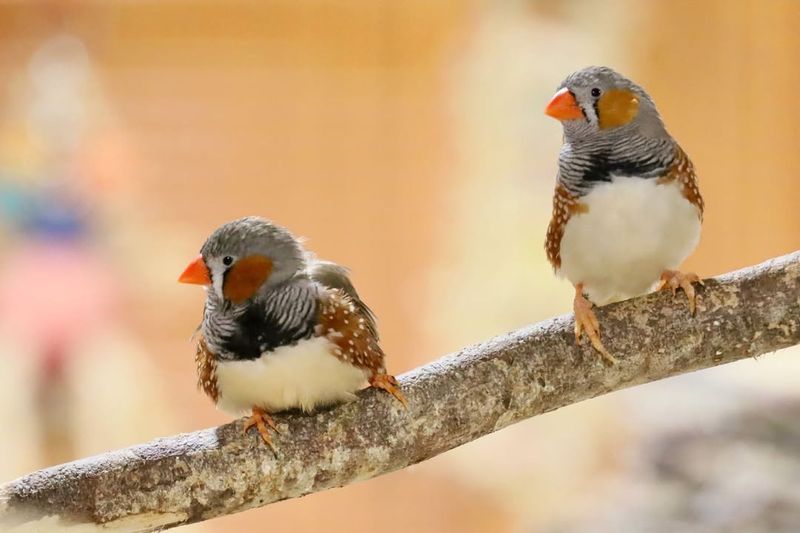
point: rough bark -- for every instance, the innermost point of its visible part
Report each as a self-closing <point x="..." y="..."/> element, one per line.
<point x="457" y="399"/>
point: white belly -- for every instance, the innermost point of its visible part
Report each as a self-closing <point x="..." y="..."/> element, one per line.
<point x="302" y="376"/>
<point x="634" y="230"/>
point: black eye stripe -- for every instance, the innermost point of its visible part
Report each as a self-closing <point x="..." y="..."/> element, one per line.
<point x="583" y="110"/>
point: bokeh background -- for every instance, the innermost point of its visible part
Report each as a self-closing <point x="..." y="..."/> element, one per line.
<point x="406" y="140"/>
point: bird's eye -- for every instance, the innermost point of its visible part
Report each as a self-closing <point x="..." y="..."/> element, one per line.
<point x="227" y="260"/>
<point x="595" y="92"/>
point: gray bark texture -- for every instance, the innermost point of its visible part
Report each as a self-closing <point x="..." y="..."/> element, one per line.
<point x="459" y="398"/>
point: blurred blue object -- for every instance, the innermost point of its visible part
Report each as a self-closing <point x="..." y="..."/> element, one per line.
<point x="49" y="212"/>
<point x="14" y="201"/>
<point x="57" y="219"/>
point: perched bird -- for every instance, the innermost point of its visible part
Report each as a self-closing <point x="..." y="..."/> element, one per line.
<point x="627" y="209"/>
<point x="280" y="329"/>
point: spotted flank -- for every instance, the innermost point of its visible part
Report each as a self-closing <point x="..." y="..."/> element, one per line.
<point x="350" y="331"/>
<point x="682" y="172"/>
<point x="565" y="205"/>
<point x="206" y="370"/>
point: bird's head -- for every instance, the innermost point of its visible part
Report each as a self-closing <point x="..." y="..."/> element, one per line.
<point x="597" y="101"/>
<point x="245" y="257"/>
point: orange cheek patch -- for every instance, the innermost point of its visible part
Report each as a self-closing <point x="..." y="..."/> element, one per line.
<point x="245" y="277"/>
<point x="617" y="107"/>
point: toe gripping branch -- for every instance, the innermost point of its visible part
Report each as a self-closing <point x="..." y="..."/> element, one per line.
<point x="263" y="423"/>
<point x="674" y="280"/>
<point x="586" y="322"/>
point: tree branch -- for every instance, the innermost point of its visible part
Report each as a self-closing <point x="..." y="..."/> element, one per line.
<point x="459" y="398"/>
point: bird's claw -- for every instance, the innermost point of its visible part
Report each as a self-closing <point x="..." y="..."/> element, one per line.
<point x="674" y="280"/>
<point x="390" y="385"/>
<point x="262" y="420"/>
<point x="586" y="322"/>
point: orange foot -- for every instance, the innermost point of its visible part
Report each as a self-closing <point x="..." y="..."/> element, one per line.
<point x="586" y="322"/>
<point x="389" y="384"/>
<point x="675" y="280"/>
<point x="261" y="419"/>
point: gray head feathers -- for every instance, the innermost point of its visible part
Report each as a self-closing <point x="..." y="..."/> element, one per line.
<point x="590" y="87"/>
<point x="255" y="236"/>
<point x="611" y="128"/>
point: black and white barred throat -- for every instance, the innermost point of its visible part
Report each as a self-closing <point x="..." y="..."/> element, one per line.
<point x="584" y="164"/>
<point x="281" y="316"/>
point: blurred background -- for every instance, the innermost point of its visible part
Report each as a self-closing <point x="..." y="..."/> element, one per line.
<point x="407" y="141"/>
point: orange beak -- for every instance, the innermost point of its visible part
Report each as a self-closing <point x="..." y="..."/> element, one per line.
<point x="563" y="106"/>
<point x="196" y="273"/>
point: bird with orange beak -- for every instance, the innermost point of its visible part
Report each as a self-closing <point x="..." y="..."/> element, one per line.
<point x="627" y="209"/>
<point x="280" y="329"/>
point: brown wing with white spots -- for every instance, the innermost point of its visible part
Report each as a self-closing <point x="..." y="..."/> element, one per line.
<point x="206" y="369"/>
<point x="345" y="325"/>
<point x="682" y="171"/>
<point x="333" y="276"/>
<point x="565" y="205"/>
